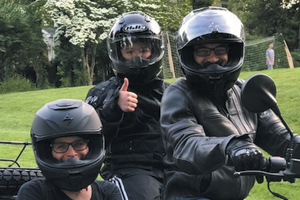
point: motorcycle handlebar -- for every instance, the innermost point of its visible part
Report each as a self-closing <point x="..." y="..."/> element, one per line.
<point x="277" y="169"/>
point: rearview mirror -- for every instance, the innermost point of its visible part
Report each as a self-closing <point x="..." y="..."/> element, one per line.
<point x="259" y="94"/>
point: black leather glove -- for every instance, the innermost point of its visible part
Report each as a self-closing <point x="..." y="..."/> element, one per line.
<point x="244" y="155"/>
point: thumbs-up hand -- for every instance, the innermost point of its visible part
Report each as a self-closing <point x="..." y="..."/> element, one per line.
<point x="127" y="100"/>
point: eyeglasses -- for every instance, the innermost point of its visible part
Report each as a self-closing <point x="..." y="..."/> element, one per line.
<point x="205" y="51"/>
<point x="63" y="147"/>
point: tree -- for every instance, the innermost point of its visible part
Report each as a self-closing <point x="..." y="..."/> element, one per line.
<point x="21" y="44"/>
<point x="38" y="51"/>
<point x="292" y="24"/>
<point x="261" y="17"/>
<point x="168" y="13"/>
<point x="85" y="24"/>
<point x="269" y="17"/>
<point x="202" y="3"/>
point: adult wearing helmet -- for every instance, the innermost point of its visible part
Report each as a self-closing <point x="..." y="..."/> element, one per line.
<point x="207" y="133"/>
<point x="129" y="106"/>
<point x="68" y="145"/>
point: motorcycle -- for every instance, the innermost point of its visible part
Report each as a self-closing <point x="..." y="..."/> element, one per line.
<point x="13" y="176"/>
<point x="259" y="95"/>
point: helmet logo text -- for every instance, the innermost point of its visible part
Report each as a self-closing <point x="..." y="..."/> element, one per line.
<point x="134" y="28"/>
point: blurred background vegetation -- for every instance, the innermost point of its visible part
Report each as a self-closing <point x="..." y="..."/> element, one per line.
<point x="36" y="53"/>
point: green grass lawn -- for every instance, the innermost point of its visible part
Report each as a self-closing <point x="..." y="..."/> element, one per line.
<point x="18" y="109"/>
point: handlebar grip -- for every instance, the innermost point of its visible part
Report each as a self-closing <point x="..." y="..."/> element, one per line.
<point x="276" y="164"/>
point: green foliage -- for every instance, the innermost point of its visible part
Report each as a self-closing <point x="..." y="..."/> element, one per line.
<point x="79" y="77"/>
<point x="13" y="34"/>
<point x="202" y="3"/>
<point x="21" y="44"/>
<point x="296" y="57"/>
<point x="168" y="13"/>
<point x="254" y="12"/>
<point x="16" y="83"/>
<point x="268" y="18"/>
<point x="82" y="21"/>
<point x="68" y="57"/>
<point x="64" y="79"/>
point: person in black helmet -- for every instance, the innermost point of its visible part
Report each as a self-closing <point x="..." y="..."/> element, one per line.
<point x="129" y="106"/>
<point x="68" y="145"/>
<point x="206" y="131"/>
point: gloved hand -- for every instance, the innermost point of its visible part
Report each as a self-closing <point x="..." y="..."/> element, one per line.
<point x="244" y="155"/>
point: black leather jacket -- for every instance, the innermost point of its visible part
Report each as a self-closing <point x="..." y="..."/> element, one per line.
<point x="196" y="132"/>
<point x="132" y="138"/>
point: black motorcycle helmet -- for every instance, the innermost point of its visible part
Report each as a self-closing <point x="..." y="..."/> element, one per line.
<point x="63" y="118"/>
<point x="211" y="25"/>
<point x="130" y="28"/>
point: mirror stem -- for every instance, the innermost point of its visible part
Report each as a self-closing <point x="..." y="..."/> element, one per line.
<point x="289" y="152"/>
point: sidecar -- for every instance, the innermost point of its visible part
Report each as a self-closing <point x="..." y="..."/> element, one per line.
<point x="13" y="176"/>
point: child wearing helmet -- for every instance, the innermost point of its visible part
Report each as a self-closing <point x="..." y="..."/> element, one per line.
<point x="68" y="145"/>
<point x="207" y="132"/>
<point x="129" y="106"/>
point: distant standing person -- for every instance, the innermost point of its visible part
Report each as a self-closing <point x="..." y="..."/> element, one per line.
<point x="270" y="55"/>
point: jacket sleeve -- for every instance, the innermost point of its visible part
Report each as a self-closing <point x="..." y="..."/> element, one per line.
<point x="273" y="137"/>
<point x="187" y="145"/>
<point x="104" y="98"/>
<point x="111" y="116"/>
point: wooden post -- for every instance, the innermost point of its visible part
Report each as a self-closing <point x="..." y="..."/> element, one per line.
<point x="171" y="65"/>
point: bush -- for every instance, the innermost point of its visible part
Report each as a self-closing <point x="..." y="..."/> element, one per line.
<point x="16" y="83"/>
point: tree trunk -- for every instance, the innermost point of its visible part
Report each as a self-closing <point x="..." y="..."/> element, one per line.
<point x="85" y="63"/>
<point x="89" y="69"/>
<point x="93" y="63"/>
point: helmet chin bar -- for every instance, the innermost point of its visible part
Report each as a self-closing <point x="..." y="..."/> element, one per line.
<point x="214" y="69"/>
<point x="215" y="83"/>
<point x="137" y="63"/>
